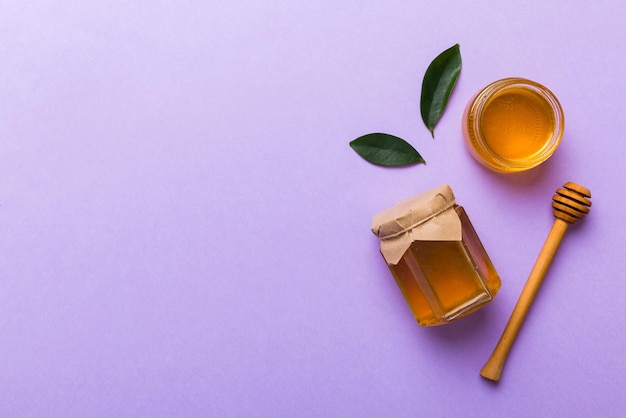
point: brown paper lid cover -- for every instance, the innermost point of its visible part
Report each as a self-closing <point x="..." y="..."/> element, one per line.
<point x="428" y="216"/>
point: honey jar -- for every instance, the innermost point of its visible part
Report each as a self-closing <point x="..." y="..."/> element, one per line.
<point x="513" y="125"/>
<point x="436" y="257"/>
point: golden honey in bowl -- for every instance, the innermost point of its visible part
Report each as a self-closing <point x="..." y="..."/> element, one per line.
<point x="513" y="125"/>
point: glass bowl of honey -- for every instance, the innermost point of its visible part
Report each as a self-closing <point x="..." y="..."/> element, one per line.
<point x="513" y="124"/>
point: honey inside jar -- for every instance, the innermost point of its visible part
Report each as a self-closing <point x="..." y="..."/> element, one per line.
<point x="517" y="123"/>
<point x="446" y="280"/>
<point x="513" y="125"/>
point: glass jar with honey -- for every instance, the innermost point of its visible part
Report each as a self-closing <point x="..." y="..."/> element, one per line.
<point x="513" y="125"/>
<point x="436" y="257"/>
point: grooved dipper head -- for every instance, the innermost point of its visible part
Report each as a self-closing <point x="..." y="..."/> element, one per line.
<point x="571" y="203"/>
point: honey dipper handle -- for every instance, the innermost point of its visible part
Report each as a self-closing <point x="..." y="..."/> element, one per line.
<point x="493" y="368"/>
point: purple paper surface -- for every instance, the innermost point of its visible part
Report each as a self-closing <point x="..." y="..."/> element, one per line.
<point x="184" y="229"/>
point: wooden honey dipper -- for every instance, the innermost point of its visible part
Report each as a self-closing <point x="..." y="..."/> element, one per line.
<point x="570" y="204"/>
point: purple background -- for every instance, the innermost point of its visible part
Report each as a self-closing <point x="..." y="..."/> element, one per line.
<point x="185" y="232"/>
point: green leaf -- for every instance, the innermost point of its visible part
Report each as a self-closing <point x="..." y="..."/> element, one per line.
<point x="386" y="150"/>
<point x="439" y="80"/>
